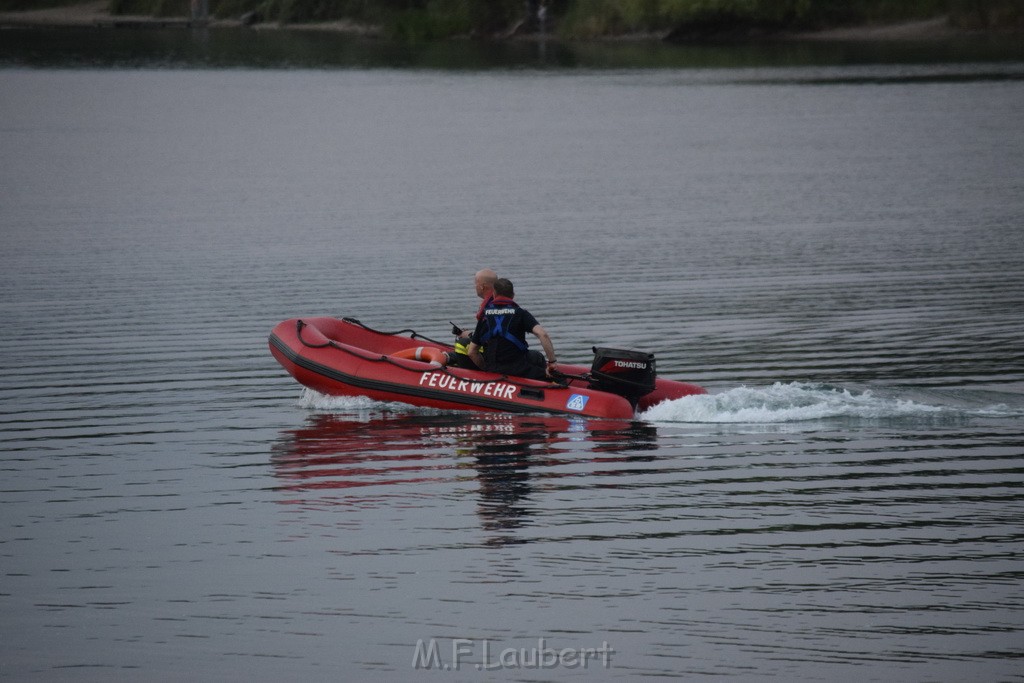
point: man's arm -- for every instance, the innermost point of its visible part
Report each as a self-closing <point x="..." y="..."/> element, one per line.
<point x="473" y="351"/>
<point x="545" y="341"/>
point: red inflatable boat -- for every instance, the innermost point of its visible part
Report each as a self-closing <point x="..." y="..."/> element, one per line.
<point x="346" y="358"/>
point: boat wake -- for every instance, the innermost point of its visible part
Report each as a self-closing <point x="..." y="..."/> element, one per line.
<point x="789" y="402"/>
<point x="802" y="402"/>
<point x="360" y="408"/>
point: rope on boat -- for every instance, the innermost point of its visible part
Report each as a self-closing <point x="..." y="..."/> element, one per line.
<point x="299" y="324"/>
<point x="412" y="333"/>
<point x="380" y="358"/>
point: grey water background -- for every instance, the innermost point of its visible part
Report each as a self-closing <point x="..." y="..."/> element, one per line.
<point x="827" y="238"/>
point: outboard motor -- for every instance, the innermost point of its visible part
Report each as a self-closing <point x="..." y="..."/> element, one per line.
<point x="629" y="374"/>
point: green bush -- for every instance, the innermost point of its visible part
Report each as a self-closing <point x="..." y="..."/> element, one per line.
<point x="144" y="7"/>
<point x="589" y="18"/>
<point x="21" y="5"/>
<point x="418" y="25"/>
<point x="988" y="14"/>
<point x="419" y="20"/>
<point x="840" y="12"/>
<point x="173" y="8"/>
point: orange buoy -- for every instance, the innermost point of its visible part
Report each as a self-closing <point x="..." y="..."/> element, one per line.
<point x="426" y="354"/>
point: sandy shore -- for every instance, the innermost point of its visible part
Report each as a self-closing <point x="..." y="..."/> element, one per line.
<point x="95" y="13"/>
<point x="927" y="29"/>
<point x="86" y="14"/>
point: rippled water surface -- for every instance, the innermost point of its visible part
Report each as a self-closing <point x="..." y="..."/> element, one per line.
<point x="834" y="252"/>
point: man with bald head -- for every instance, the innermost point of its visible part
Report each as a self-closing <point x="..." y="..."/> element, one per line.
<point x="483" y="281"/>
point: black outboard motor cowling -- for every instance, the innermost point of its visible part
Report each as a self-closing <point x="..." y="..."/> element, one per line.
<point x="629" y="374"/>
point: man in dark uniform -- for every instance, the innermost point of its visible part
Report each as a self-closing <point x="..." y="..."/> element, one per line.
<point x="483" y="282"/>
<point x="502" y="332"/>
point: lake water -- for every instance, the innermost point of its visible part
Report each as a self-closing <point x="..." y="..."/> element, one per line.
<point x="833" y="249"/>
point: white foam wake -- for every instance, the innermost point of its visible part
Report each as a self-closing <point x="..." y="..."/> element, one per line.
<point x="786" y="402"/>
<point x="360" y="407"/>
<point x="778" y="403"/>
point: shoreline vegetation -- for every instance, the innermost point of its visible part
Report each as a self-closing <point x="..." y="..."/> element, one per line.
<point x="683" y="21"/>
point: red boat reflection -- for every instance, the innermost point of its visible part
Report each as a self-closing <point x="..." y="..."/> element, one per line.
<point x="365" y="461"/>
